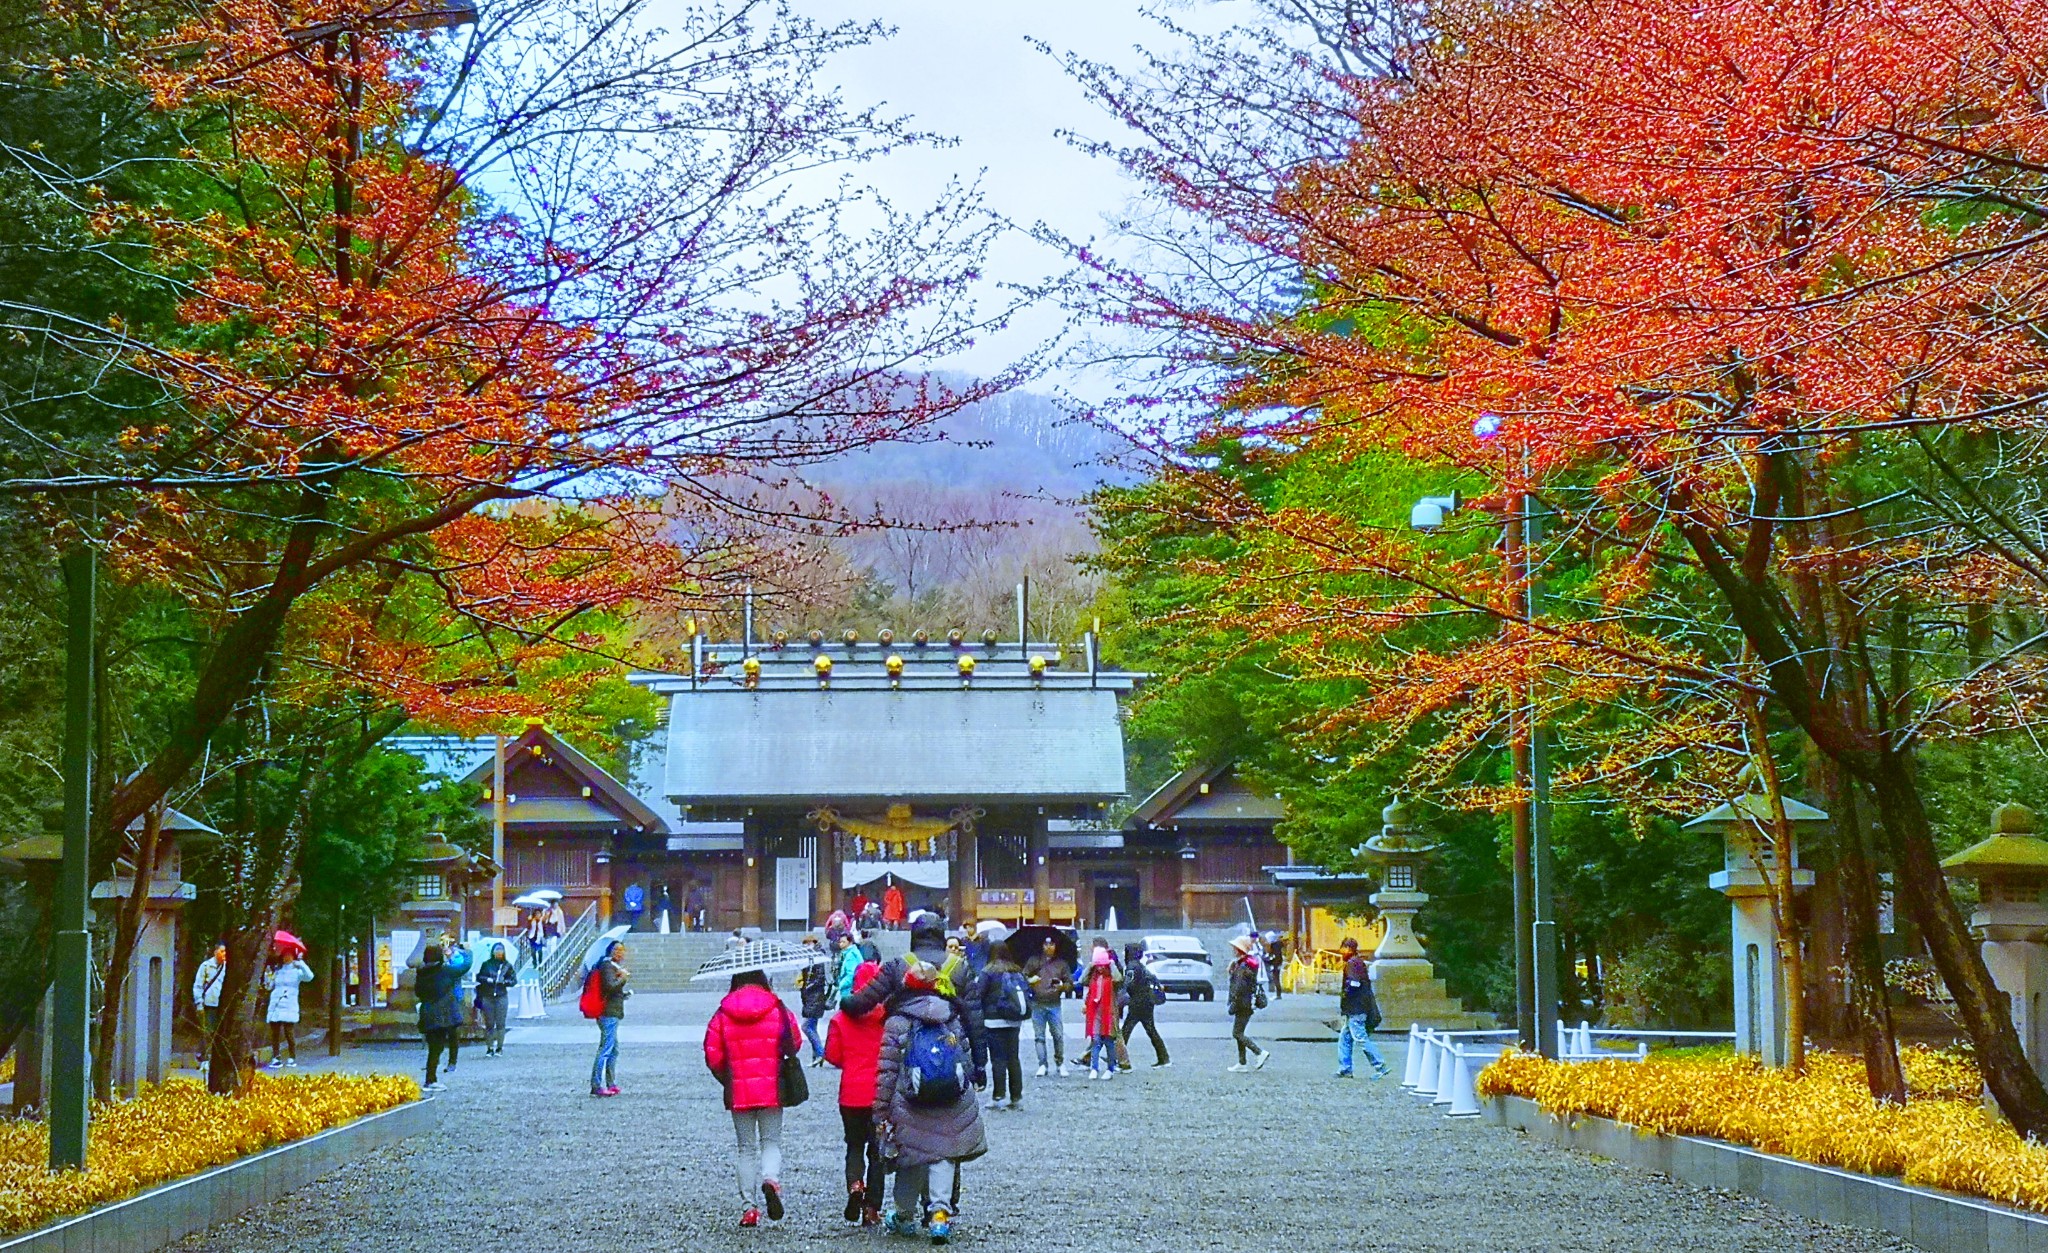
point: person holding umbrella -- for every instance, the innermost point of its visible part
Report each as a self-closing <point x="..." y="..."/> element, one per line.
<point x="287" y="970"/>
<point x="608" y="979"/>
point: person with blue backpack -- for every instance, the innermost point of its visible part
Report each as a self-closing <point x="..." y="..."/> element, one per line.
<point x="927" y="1120"/>
<point x="1005" y="1007"/>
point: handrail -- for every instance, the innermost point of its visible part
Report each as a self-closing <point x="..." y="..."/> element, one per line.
<point x="556" y="967"/>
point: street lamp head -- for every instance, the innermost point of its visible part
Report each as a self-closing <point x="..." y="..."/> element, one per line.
<point x="1486" y="426"/>
<point x="1429" y="512"/>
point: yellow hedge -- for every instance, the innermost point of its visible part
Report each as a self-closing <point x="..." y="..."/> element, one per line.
<point x="173" y="1129"/>
<point x="1942" y="1137"/>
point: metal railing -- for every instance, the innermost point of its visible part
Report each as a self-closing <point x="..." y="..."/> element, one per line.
<point x="558" y="967"/>
<point x="1444" y="1065"/>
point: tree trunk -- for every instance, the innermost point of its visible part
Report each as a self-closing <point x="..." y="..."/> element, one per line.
<point x="1870" y="1010"/>
<point x="1981" y="1006"/>
<point x="233" y="1061"/>
<point x="127" y="930"/>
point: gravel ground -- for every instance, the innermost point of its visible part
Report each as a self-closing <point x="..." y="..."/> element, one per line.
<point x="1171" y="1160"/>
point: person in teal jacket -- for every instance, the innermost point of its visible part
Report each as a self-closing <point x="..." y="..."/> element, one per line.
<point x="848" y="956"/>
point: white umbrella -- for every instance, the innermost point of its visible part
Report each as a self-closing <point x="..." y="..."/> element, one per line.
<point x="766" y="956"/>
<point x="595" y="953"/>
<point x="532" y="900"/>
<point x="546" y="894"/>
<point x="991" y="929"/>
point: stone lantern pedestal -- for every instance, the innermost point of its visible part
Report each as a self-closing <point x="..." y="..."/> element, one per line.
<point x="1403" y="979"/>
<point x="2011" y="870"/>
<point x="1748" y="878"/>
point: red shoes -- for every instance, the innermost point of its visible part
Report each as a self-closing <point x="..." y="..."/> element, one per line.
<point x="750" y="1217"/>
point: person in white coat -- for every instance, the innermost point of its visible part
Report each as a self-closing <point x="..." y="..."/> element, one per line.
<point x="207" y="982"/>
<point x="282" y="981"/>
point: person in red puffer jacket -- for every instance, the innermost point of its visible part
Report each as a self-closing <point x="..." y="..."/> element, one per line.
<point x="853" y="1043"/>
<point x="744" y="1046"/>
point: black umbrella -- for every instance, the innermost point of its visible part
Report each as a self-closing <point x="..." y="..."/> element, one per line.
<point x="1028" y="941"/>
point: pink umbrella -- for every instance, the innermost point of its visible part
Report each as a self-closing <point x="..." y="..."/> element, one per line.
<point x="290" y="945"/>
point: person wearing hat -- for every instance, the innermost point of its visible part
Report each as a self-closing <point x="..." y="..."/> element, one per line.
<point x="1098" y="1014"/>
<point x="927" y="1120"/>
<point x="1361" y="1011"/>
<point x="853" y="1043"/>
<point x="1246" y="998"/>
<point x="1005" y="1005"/>
<point x="288" y="969"/>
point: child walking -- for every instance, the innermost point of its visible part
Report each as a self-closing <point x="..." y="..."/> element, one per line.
<point x="853" y="1042"/>
<point x="926" y="1115"/>
<point x="744" y="1046"/>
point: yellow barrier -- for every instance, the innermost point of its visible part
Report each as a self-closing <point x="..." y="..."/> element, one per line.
<point x="1322" y="972"/>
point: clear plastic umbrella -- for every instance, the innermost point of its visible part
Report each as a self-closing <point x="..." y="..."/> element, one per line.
<point x="532" y="900"/>
<point x="595" y="953"/>
<point x="767" y="956"/>
<point x="546" y="894"/>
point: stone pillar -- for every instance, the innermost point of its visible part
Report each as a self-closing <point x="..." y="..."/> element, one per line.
<point x="1402" y="976"/>
<point x="1041" y="870"/>
<point x="1747" y="882"/>
<point x="2011" y="869"/>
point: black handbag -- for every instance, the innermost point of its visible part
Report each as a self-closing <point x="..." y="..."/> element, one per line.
<point x="792" y="1086"/>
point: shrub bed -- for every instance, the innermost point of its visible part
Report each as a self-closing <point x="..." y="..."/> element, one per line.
<point x="1942" y="1137"/>
<point x="173" y="1129"/>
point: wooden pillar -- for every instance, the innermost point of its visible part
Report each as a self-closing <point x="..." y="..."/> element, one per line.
<point x="604" y="886"/>
<point x="828" y="876"/>
<point x="966" y="877"/>
<point x="1041" y="871"/>
<point x="750" y="875"/>
<point x="1187" y="886"/>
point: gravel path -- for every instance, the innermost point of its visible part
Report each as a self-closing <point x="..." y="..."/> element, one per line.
<point x="1286" y="1159"/>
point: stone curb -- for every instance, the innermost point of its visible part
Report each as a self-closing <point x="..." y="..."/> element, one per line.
<point x="1941" y="1221"/>
<point x="169" y="1212"/>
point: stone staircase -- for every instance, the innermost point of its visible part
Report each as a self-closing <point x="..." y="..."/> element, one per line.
<point x="664" y="963"/>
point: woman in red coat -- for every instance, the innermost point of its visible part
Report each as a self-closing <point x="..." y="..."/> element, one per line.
<point x="744" y="1046"/>
<point x="1098" y="1013"/>
<point x="854" y="1044"/>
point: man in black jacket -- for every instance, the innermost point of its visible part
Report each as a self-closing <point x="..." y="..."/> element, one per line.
<point x="1361" y="1013"/>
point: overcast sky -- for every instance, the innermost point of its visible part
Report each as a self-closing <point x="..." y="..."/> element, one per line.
<point x="963" y="68"/>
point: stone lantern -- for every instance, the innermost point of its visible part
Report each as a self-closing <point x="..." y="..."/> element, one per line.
<point x="1403" y="980"/>
<point x="2011" y="870"/>
<point x="1748" y="877"/>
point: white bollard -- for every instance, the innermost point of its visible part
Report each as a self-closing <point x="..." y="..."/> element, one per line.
<point x="1446" y="1072"/>
<point x="1464" y="1086"/>
<point x="1425" y="1074"/>
<point x="1585" y="1037"/>
<point x="1414" y="1062"/>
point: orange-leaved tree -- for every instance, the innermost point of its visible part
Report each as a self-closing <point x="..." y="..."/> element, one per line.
<point x="527" y="319"/>
<point x="1748" y="294"/>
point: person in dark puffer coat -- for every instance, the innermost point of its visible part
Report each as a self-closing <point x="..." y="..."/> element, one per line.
<point x="926" y="1143"/>
<point x="439" y="988"/>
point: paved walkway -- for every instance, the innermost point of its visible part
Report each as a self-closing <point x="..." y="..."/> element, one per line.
<point x="1189" y="1158"/>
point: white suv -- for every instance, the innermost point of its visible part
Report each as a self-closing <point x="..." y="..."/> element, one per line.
<point x="1181" y="964"/>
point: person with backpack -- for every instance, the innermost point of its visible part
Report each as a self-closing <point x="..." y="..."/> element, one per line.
<point x="494" y="980"/>
<point x="1361" y="1011"/>
<point x="1005" y="1005"/>
<point x="853" y="1043"/>
<point x="438" y="985"/>
<point x="744" y="1045"/>
<point x="1246" y="997"/>
<point x="604" y="999"/>
<point x="954" y="979"/>
<point x="815" y="985"/>
<point x="1143" y="996"/>
<point x="926" y="1118"/>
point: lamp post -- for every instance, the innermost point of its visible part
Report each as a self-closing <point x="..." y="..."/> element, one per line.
<point x="1533" y="865"/>
<point x="71" y="950"/>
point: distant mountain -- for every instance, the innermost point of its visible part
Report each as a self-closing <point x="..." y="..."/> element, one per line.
<point x="1018" y="444"/>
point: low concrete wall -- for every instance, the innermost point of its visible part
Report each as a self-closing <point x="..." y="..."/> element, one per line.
<point x="150" y="1220"/>
<point x="1941" y="1221"/>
